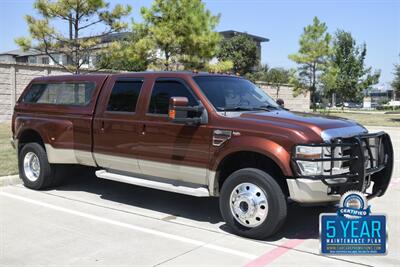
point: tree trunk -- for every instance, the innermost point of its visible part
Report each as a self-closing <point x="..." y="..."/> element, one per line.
<point x="167" y="57"/>
<point x="76" y="28"/>
<point x="313" y="89"/>
<point x="70" y="25"/>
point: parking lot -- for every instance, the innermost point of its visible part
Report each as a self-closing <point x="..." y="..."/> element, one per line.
<point x="90" y="221"/>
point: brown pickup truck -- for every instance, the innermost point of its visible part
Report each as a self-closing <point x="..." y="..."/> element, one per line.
<point x="198" y="134"/>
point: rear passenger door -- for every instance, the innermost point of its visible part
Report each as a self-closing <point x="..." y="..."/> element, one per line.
<point x="116" y="127"/>
<point x="171" y="150"/>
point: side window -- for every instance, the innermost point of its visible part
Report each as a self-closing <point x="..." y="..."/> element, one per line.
<point x="124" y="96"/>
<point x="60" y="93"/>
<point x="163" y="91"/>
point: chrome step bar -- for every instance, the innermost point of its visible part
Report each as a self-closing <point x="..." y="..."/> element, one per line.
<point x="197" y="192"/>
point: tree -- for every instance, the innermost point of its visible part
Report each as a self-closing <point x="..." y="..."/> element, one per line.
<point x="396" y="81"/>
<point x="130" y="54"/>
<point x="275" y="77"/>
<point x="220" y="66"/>
<point x="346" y="74"/>
<point x="241" y="50"/>
<point x="311" y="58"/>
<point x="178" y="31"/>
<point x="81" y="17"/>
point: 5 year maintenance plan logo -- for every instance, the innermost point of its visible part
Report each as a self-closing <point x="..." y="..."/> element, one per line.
<point x="353" y="230"/>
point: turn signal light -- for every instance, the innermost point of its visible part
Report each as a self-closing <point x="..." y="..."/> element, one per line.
<point x="172" y="114"/>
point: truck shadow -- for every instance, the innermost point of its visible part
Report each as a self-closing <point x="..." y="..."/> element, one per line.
<point x="301" y="223"/>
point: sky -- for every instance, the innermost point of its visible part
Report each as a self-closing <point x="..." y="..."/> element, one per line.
<point x="375" y="22"/>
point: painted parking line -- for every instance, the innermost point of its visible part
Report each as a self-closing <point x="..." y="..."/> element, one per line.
<point x="134" y="227"/>
<point x="272" y="255"/>
<point x="395" y="182"/>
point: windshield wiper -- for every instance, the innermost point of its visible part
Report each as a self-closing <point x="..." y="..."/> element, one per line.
<point x="269" y="107"/>
<point x="242" y="108"/>
<point x="236" y="108"/>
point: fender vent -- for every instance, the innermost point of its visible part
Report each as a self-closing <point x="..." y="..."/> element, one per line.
<point x="220" y="137"/>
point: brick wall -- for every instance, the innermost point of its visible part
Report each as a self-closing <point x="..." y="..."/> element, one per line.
<point x="298" y="103"/>
<point x="5" y="92"/>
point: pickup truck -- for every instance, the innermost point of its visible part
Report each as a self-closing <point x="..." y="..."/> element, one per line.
<point x="200" y="134"/>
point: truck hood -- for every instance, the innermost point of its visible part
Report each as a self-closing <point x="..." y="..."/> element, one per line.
<point x="327" y="127"/>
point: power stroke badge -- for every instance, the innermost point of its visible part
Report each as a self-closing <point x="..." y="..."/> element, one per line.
<point x="353" y="229"/>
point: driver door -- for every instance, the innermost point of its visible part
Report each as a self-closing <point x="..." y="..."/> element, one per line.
<point x="170" y="150"/>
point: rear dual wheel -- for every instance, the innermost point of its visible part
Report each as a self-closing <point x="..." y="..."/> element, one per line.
<point x="252" y="203"/>
<point x="35" y="170"/>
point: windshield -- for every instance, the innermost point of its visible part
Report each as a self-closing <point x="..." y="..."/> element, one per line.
<point x="234" y="94"/>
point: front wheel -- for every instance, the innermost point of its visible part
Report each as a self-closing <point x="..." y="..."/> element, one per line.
<point x="252" y="203"/>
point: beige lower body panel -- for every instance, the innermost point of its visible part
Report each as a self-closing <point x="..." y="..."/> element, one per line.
<point x="310" y="191"/>
<point x="125" y="164"/>
<point x="194" y="175"/>
<point x="69" y="156"/>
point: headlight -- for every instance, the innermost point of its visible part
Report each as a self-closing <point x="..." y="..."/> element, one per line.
<point x="304" y="155"/>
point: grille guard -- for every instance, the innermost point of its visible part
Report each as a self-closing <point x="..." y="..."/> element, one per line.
<point x="359" y="176"/>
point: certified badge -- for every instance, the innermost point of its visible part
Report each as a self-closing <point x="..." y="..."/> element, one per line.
<point x="353" y="229"/>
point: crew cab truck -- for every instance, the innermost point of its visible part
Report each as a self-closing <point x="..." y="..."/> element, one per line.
<point x="200" y="134"/>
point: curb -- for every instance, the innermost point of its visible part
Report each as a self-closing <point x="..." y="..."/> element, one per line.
<point x="10" y="180"/>
<point x="387" y="128"/>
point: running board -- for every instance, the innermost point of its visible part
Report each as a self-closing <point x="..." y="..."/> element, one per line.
<point x="197" y="192"/>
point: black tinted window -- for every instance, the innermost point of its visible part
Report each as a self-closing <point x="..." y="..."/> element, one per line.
<point x="60" y="93"/>
<point x="124" y="96"/>
<point x="163" y="91"/>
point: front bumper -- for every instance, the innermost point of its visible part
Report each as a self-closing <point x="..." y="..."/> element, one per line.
<point x="368" y="165"/>
<point x="309" y="191"/>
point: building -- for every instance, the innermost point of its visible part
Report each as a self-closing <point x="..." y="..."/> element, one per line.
<point x="380" y="95"/>
<point x="34" y="57"/>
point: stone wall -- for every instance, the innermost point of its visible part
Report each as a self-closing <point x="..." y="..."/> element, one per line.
<point x="298" y="103"/>
<point x="14" y="77"/>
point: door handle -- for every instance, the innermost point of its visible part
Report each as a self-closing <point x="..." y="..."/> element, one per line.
<point x="102" y="126"/>
<point x="143" y="132"/>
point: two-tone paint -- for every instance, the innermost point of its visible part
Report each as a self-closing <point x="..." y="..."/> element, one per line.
<point x="153" y="147"/>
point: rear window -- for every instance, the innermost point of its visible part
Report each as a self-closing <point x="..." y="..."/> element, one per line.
<point x="124" y="96"/>
<point x="60" y="93"/>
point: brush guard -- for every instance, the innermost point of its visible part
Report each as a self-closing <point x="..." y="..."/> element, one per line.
<point x="365" y="161"/>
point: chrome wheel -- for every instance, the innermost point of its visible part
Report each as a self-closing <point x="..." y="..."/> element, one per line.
<point x="249" y="205"/>
<point x="31" y="166"/>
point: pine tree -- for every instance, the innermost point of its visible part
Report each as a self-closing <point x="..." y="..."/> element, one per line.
<point x="178" y="32"/>
<point x="80" y="18"/>
<point x="311" y="57"/>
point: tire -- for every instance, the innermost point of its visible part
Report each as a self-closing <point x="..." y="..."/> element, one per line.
<point x="247" y="186"/>
<point x="40" y="174"/>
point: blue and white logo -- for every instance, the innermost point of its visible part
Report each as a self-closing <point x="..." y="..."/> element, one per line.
<point x="353" y="230"/>
<point x="353" y="205"/>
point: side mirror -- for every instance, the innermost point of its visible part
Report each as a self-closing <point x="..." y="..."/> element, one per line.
<point x="180" y="112"/>
<point x="280" y="102"/>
